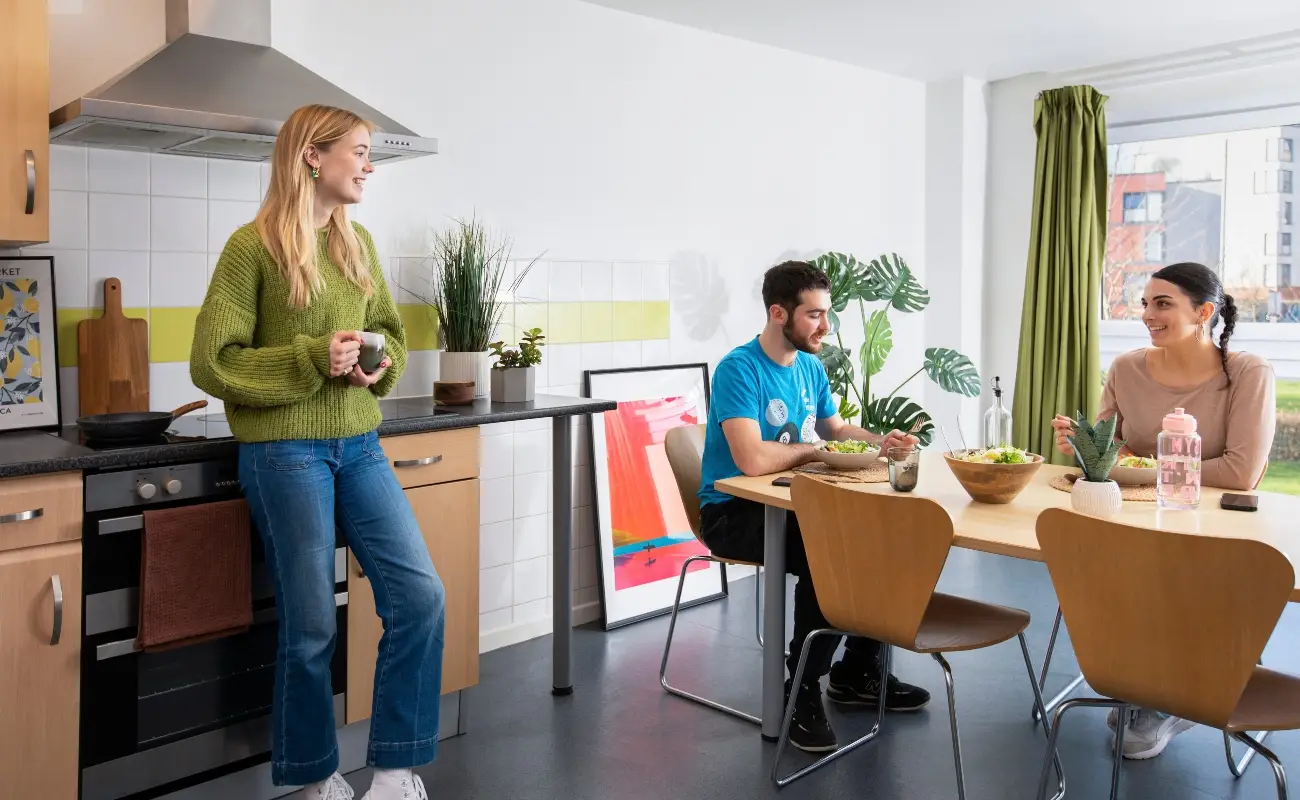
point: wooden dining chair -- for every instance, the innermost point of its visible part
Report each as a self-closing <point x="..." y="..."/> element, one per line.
<point x="685" y="446"/>
<point x="875" y="561"/>
<point x="1173" y="622"/>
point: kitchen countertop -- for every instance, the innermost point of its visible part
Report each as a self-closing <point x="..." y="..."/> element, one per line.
<point x="197" y="437"/>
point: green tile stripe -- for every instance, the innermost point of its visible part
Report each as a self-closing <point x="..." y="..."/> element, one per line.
<point x="171" y="330"/>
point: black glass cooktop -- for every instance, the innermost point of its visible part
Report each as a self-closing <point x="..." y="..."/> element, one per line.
<point x="189" y="428"/>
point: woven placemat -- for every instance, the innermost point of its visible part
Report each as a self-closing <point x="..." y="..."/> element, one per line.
<point x="1142" y="494"/>
<point x="876" y="473"/>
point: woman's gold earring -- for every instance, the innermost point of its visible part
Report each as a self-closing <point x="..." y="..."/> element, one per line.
<point x="315" y="173"/>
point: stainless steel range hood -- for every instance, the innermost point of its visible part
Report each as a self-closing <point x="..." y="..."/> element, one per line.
<point x="215" y="97"/>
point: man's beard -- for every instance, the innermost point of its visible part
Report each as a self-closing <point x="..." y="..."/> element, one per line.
<point x="806" y="345"/>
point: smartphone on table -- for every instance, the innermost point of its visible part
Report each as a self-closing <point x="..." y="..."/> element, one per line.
<point x="1239" y="502"/>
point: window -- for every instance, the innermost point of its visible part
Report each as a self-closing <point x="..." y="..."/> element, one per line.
<point x="1277" y="244"/>
<point x="1284" y="181"/>
<point x="1284" y="276"/>
<point x="1154" y="247"/>
<point x="1142" y="206"/>
<point x="1281" y="149"/>
<point x="1286" y="212"/>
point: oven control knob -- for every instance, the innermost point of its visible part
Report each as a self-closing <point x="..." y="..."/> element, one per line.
<point x="172" y="486"/>
<point x="146" y="491"/>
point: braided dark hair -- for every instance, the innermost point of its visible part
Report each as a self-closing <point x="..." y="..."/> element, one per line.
<point x="1202" y="285"/>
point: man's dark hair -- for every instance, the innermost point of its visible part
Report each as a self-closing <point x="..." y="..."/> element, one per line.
<point x="785" y="283"/>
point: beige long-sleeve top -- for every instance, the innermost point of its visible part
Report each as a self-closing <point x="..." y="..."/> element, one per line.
<point x="1236" y="423"/>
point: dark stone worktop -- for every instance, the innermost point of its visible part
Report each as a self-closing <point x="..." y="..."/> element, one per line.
<point x="196" y="436"/>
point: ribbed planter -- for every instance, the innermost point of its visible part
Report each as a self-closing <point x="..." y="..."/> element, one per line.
<point x="474" y="367"/>
<point x="1096" y="499"/>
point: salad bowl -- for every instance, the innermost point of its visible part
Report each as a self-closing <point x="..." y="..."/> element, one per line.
<point x="848" y="454"/>
<point x="1134" y="471"/>
<point x="995" y="475"/>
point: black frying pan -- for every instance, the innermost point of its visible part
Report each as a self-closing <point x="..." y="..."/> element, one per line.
<point x="132" y="425"/>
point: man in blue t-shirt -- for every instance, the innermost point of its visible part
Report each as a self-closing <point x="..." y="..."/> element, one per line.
<point x="770" y="403"/>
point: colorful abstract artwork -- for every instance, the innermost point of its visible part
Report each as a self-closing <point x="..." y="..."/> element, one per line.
<point x="28" y="368"/>
<point x="644" y="535"/>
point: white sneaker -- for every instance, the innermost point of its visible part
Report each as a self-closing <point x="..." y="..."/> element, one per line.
<point x="410" y="788"/>
<point x="334" y="788"/>
<point x="1147" y="733"/>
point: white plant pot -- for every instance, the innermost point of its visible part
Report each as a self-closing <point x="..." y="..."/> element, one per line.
<point x="1096" y="499"/>
<point x="474" y="367"/>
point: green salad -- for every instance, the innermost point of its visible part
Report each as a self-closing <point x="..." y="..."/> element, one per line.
<point x="851" y="446"/>
<point x="996" y="455"/>
<point x="1138" y="462"/>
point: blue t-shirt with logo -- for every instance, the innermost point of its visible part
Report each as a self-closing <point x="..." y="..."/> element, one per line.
<point x="786" y="402"/>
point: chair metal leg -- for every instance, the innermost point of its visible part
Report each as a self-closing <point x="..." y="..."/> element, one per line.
<point x="1038" y="706"/>
<point x="758" y="604"/>
<point x="1238" y="768"/>
<point x="1042" y="677"/>
<point x="1118" y="757"/>
<point x="1055" y="729"/>
<point x="1278" y="773"/>
<point x="952" y="721"/>
<point x="663" y="664"/>
<point x="784" y="736"/>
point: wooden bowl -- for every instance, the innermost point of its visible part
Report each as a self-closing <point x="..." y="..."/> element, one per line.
<point x="993" y="483"/>
<point x="453" y="393"/>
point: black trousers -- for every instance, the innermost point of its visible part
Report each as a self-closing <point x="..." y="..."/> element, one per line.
<point x="734" y="529"/>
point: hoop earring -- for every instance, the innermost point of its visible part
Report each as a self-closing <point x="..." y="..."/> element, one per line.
<point x="315" y="173"/>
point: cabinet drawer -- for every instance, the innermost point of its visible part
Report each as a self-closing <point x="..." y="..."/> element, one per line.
<point x="420" y="459"/>
<point x="41" y="509"/>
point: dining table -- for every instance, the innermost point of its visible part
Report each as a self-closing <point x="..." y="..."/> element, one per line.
<point x="1006" y="529"/>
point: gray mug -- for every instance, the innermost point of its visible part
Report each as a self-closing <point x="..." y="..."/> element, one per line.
<point x="372" y="351"/>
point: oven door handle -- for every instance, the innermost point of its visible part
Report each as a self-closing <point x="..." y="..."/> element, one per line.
<point x="125" y="647"/>
<point x="134" y="522"/>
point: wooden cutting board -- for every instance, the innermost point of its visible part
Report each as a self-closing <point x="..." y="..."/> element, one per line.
<point x="113" y="359"/>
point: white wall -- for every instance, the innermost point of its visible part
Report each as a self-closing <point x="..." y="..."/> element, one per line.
<point x="1228" y="101"/>
<point x="592" y="136"/>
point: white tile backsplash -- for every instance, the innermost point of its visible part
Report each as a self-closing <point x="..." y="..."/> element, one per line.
<point x="530" y="494"/>
<point x="69" y="221"/>
<point x="68" y="168"/>
<point x="565" y="364"/>
<point x="654" y="281"/>
<point x="534" y="287"/>
<point x="71" y="278"/>
<point x="597" y="282"/>
<point x="496" y="588"/>
<point x="530" y="580"/>
<point x="177" y="280"/>
<point x="496" y="500"/>
<point x="531" y="536"/>
<point x="627" y="282"/>
<point x="532" y="452"/>
<point x="532" y="612"/>
<point x="496" y="545"/>
<point x="178" y="176"/>
<point x="119" y="222"/>
<point x="224" y="218"/>
<point x="129" y="267"/>
<point x="118" y="171"/>
<point x="495" y="620"/>
<point x="598" y="355"/>
<point x="496" y="456"/>
<point x="655" y="353"/>
<point x="178" y="224"/>
<point x="566" y="281"/>
<point x="170" y="387"/>
<point x="69" y="399"/>
<point x="234" y="180"/>
<point x="421" y="372"/>
<point x="627" y="354"/>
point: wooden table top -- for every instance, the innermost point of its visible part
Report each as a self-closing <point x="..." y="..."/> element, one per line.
<point x="1009" y="529"/>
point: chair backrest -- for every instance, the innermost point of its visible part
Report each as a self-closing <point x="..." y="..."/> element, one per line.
<point x="875" y="558"/>
<point x="1164" y="620"/>
<point x="685" y="446"/>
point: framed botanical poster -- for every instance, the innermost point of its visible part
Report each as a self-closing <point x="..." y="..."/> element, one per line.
<point x="29" y="361"/>
<point x="643" y="535"/>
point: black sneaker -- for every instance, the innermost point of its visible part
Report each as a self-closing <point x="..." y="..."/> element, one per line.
<point x="864" y="690"/>
<point x="810" y="731"/>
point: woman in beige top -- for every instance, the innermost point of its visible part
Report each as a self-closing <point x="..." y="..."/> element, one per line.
<point x="1231" y="395"/>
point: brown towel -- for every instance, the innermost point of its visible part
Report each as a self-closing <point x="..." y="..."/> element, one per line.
<point x="195" y="574"/>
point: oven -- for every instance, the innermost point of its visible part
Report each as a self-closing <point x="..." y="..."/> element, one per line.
<point x="156" y="722"/>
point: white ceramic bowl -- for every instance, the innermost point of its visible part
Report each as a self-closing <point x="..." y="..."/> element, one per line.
<point x="847" y="460"/>
<point x="1133" y="476"/>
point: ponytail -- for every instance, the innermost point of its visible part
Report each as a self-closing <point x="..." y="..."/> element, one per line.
<point x="1229" y="315"/>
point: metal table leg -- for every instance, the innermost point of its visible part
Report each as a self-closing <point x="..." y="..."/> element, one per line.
<point x="562" y="533"/>
<point x="773" y="621"/>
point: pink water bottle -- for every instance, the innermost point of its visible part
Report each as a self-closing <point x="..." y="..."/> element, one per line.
<point x="1178" y="463"/>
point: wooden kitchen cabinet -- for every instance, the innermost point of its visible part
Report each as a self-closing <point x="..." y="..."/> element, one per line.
<point x="448" y="517"/>
<point x="39" y="677"/>
<point x="24" y="122"/>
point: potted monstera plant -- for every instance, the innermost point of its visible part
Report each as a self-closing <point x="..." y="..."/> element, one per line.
<point x="1096" y="449"/>
<point x="514" y="378"/>
<point x="888" y="281"/>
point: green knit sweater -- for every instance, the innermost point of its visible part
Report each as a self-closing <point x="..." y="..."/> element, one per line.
<point x="270" y="362"/>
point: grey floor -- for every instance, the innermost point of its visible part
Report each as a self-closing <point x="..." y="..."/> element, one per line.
<point x="620" y="736"/>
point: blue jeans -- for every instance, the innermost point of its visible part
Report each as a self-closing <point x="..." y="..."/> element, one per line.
<point x="299" y="491"/>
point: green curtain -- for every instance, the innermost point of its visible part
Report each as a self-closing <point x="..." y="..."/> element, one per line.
<point x="1059" y="366"/>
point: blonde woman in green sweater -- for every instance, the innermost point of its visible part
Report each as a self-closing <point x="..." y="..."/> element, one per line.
<point x="278" y="340"/>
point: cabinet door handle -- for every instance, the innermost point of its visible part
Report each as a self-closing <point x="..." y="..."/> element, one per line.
<point x="58" y="609"/>
<point x="21" y="516"/>
<point x="418" y="462"/>
<point x="31" y="181"/>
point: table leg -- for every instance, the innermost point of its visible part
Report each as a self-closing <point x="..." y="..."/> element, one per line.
<point x="562" y="533"/>
<point x="773" y="621"/>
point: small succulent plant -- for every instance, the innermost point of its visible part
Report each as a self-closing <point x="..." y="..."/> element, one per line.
<point x="1095" y="447"/>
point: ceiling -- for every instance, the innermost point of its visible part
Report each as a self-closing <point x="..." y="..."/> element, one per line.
<point x="946" y="38"/>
